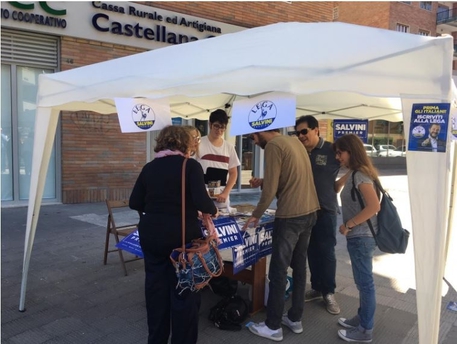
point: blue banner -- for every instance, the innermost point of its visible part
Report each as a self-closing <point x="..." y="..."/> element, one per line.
<point x="228" y="231"/>
<point x="264" y="239"/>
<point x="350" y="126"/>
<point x="131" y="243"/>
<point x="176" y="121"/>
<point x="428" y="129"/>
<point x="257" y="244"/>
<point x="247" y="254"/>
<point x="247" y="246"/>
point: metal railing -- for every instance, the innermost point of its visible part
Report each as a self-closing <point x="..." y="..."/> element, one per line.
<point x="445" y="16"/>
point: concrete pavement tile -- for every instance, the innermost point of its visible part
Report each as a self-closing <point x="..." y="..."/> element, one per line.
<point x="41" y="315"/>
<point x="33" y="336"/>
<point x="63" y="326"/>
<point x="136" y="313"/>
<point x="451" y="336"/>
<point x="124" y="333"/>
<point x="87" y="335"/>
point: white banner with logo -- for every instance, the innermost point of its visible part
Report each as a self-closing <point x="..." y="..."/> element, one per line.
<point x="137" y="115"/>
<point x="265" y="112"/>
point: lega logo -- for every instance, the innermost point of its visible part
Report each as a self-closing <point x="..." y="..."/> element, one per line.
<point x="262" y="115"/>
<point x="143" y="116"/>
<point x="418" y="131"/>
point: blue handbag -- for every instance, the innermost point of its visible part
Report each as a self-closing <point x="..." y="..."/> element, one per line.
<point x="198" y="261"/>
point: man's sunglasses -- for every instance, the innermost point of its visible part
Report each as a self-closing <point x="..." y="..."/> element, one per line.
<point x="303" y="132"/>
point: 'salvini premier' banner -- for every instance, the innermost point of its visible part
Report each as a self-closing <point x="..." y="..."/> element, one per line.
<point x="265" y="112"/>
<point x="350" y="126"/>
<point x="138" y="115"/>
<point x="247" y="246"/>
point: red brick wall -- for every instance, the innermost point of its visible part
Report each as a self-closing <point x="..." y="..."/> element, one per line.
<point x="374" y="14"/>
<point x="387" y="14"/>
<point x="414" y="16"/>
<point x="251" y="14"/>
<point x="98" y="161"/>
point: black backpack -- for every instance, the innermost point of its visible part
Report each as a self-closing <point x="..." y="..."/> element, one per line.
<point x="229" y="313"/>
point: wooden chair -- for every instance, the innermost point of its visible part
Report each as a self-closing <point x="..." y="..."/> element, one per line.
<point x="117" y="231"/>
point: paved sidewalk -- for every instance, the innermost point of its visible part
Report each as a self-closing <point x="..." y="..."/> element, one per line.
<point x="73" y="298"/>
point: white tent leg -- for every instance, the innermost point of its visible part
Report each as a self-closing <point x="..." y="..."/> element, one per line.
<point x="429" y="185"/>
<point x="451" y="238"/>
<point x="45" y="128"/>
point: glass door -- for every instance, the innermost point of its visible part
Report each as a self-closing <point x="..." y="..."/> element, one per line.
<point x="248" y="155"/>
<point x="19" y="90"/>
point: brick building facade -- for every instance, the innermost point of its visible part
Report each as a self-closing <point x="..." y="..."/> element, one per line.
<point x="93" y="160"/>
<point x="99" y="162"/>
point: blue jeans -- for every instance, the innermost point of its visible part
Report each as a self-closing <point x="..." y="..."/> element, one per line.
<point x="361" y="251"/>
<point x="321" y="253"/>
<point x="290" y="243"/>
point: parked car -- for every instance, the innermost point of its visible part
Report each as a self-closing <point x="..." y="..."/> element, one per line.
<point x="385" y="148"/>
<point x="397" y="152"/>
<point x="371" y="151"/>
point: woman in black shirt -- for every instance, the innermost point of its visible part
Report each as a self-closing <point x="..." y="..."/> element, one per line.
<point x="157" y="196"/>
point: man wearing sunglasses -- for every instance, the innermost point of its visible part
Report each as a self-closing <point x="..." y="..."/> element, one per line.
<point x="217" y="157"/>
<point x="321" y="250"/>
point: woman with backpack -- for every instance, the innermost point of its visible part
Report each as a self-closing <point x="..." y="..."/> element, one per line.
<point x="351" y="153"/>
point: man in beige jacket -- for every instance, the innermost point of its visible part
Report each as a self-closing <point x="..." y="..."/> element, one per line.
<point x="289" y="177"/>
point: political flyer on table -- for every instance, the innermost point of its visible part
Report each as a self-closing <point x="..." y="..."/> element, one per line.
<point x="264" y="234"/>
<point x="228" y="231"/>
<point x="245" y="255"/>
<point x="257" y="244"/>
<point x="429" y="127"/>
<point x="131" y="244"/>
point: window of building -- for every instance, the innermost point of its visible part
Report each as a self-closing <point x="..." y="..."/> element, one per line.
<point x="442" y="13"/>
<point x="406" y="2"/>
<point x="402" y="28"/>
<point x="426" y="5"/>
<point x="424" y="32"/>
<point x="24" y="57"/>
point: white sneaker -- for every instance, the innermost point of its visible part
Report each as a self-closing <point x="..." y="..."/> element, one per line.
<point x="295" y="326"/>
<point x="264" y="331"/>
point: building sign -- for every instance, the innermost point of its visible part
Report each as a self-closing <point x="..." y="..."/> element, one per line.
<point x="350" y="126"/>
<point x="123" y="23"/>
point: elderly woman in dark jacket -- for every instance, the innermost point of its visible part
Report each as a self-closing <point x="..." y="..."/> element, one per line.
<point x="157" y="196"/>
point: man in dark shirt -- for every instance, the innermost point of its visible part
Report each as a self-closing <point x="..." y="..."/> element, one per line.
<point x="321" y="250"/>
<point x="433" y="143"/>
